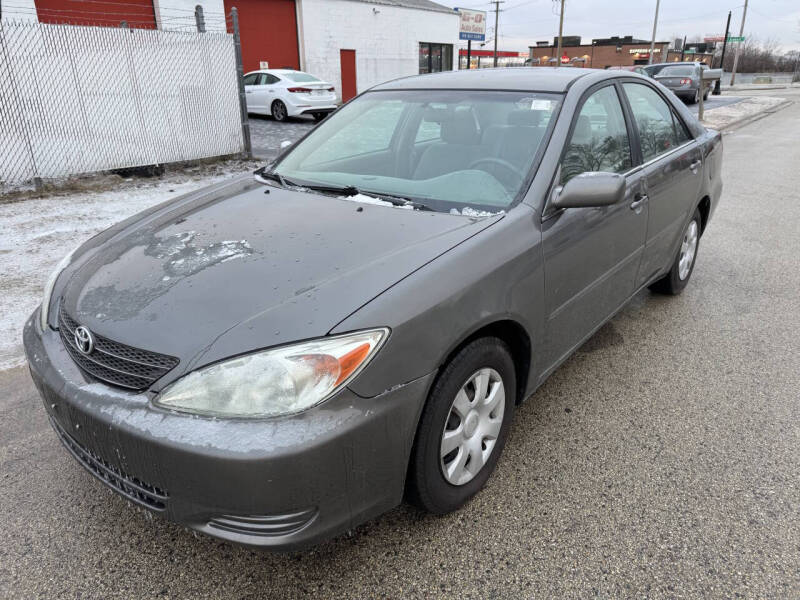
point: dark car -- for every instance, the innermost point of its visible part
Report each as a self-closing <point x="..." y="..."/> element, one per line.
<point x="685" y="81"/>
<point x="274" y="361"/>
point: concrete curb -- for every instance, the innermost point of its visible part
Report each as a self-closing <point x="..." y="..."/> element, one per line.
<point x="751" y="118"/>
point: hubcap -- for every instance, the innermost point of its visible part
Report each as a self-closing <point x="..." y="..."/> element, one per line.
<point x="280" y="112"/>
<point x="688" y="250"/>
<point x="472" y="426"/>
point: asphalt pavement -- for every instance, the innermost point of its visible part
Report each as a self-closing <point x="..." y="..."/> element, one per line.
<point x="662" y="460"/>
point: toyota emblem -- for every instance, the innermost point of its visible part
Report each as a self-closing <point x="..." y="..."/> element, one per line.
<point x="84" y="340"/>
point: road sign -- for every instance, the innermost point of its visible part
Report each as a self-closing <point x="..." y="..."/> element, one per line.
<point x="565" y="60"/>
<point x="736" y="38"/>
<point x="472" y="25"/>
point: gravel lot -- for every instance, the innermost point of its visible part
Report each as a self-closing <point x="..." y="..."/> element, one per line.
<point x="662" y="460"/>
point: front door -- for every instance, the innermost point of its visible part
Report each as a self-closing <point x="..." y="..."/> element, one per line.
<point x="673" y="167"/>
<point x="592" y="255"/>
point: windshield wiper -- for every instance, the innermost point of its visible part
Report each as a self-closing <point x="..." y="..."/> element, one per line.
<point x="264" y="174"/>
<point x="351" y="190"/>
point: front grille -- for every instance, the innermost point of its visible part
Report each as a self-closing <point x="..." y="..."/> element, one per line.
<point x="132" y="488"/>
<point x="115" y="363"/>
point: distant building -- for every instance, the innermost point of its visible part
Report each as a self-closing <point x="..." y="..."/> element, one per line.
<point x="602" y="53"/>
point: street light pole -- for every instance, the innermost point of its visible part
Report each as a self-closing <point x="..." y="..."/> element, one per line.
<point x="497" y="4"/>
<point x="653" y="41"/>
<point x="560" y="33"/>
<point x="716" y="91"/>
<point x="738" y="45"/>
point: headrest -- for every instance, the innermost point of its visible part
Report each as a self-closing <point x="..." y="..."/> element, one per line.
<point x="525" y="118"/>
<point x="460" y="127"/>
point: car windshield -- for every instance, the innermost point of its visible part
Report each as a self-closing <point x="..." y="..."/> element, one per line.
<point x="451" y="150"/>
<point x="676" y="72"/>
<point x="299" y="77"/>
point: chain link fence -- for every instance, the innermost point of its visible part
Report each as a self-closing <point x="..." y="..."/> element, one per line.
<point x="79" y="99"/>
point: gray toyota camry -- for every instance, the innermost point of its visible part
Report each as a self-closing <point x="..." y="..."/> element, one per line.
<point x="276" y="359"/>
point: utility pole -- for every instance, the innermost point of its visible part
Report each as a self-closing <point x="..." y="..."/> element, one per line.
<point x="738" y="45"/>
<point x="560" y="34"/>
<point x="683" y="48"/>
<point x="653" y="41"/>
<point x="716" y="91"/>
<point x="497" y="4"/>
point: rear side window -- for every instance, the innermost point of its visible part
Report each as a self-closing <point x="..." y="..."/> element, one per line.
<point x="599" y="140"/>
<point x="658" y="130"/>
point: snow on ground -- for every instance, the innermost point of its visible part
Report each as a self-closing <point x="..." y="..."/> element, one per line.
<point x="723" y="117"/>
<point x="37" y="233"/>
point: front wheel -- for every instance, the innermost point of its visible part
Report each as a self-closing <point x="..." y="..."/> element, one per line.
<point x="463" y="427"/>
<point x="678" y="276"/>
<point x="279" y="112"/>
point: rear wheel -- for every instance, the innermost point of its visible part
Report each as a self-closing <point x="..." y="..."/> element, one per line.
<point x="279" y="112"/>
<point x="678" y="276"/>
<point x="463" y="427"/>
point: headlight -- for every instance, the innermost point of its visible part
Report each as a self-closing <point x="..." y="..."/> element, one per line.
<point x="48" y="288"/>
<point x="274" y="382"/>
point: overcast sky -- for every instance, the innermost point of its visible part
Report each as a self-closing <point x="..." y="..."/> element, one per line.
<point x="523" y="22"/>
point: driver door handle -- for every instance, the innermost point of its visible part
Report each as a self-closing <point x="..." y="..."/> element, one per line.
<point x="695" y="165"/>
<point x="639" y="200"/>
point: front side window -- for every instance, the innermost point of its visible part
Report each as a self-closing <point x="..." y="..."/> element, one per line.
<point x="599" y="140"/>
<point x="447" y="149"/>
<point x="250" y="79"/>
<point x="655" y="121"/>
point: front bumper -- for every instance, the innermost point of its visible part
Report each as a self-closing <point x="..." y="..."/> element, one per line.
<point x="281" y="483"/>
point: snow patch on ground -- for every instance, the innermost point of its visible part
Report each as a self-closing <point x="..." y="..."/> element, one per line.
<point x="724" y="116"/>
<point x="38" y="233"/>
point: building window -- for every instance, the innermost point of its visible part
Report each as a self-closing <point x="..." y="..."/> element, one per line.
<point x="434" y="58"/>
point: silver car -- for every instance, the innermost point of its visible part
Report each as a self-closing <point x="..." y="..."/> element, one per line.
<point x="685" y="81"/>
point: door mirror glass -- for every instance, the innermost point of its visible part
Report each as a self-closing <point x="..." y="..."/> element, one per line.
<point x="591" y="189"/>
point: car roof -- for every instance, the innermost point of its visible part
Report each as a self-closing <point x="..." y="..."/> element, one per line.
<point x="539" y="79"/>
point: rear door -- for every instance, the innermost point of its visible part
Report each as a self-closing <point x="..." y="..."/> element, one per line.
<point x="592" y="255"/>
<point x="672" y="164"/>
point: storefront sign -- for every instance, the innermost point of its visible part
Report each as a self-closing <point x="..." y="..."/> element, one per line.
<point x="472" y="26"/>
<point x="644" y="50"/>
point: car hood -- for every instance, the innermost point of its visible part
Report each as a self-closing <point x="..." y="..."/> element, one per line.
<point x="217" y="275"/>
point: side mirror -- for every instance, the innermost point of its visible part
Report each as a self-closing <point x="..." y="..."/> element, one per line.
<point x="591" y="189"/>
<point x="285" y="144"/>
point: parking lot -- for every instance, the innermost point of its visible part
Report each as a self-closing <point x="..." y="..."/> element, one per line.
<point x="662" y="460"/>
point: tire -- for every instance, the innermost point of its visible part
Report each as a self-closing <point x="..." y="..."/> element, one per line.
<point x="319" y="116"/>
<point x="484" y="428"/>
<point x="680" y="272"/>
<point x="705" y="96"/>
<point x="278" y="110"/>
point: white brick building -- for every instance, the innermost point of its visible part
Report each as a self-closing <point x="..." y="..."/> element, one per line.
<point x="354" y="44"/>
<point x="391" y="38"/>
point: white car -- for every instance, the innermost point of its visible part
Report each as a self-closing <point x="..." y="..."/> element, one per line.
<point x="286" y="93"/>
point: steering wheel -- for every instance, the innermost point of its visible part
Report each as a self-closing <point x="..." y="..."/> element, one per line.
<point x="493" y="160"/>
